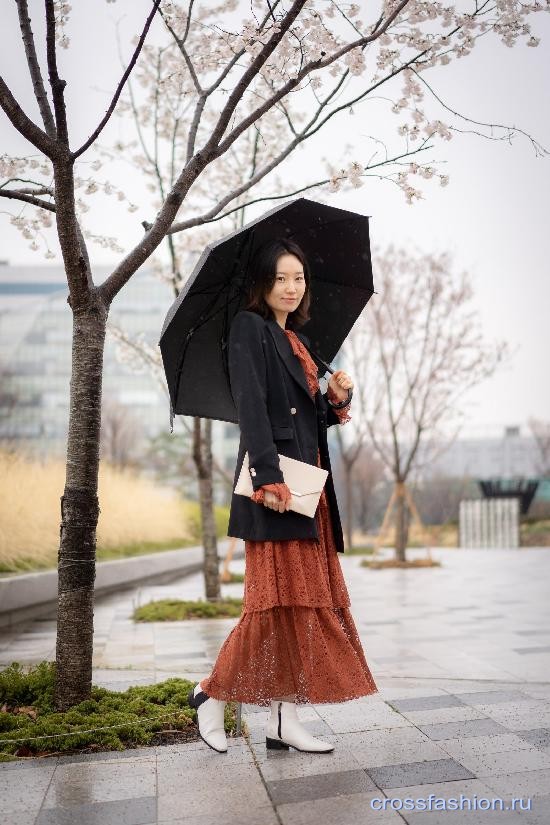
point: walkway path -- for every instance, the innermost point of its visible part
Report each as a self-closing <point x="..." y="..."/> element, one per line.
<point x="460" y="655"/>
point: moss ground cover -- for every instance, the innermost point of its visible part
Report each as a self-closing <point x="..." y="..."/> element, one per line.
<point x="109" y="720"/>
<point x="171" y="610"/>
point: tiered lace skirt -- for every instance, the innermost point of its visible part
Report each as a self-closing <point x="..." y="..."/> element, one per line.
<point x="296" y="634"/>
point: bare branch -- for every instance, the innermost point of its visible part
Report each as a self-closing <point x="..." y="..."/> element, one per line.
<point x="180" y="43"/>
<point x="430" y="354"/>
<point x="18" y="195"/>
<point x="57" y="85"/>
<point x="37" y="188"/>
<point x="212" y="215"/>
<point x="120" y="86"/>
<point x="289" y="85"/>
<point x="416" y="59"/>
<point x="540" y="150"/>
<point x="24" y="125"/>
<point x="34" y="69"/>
<point x="211" y="150"/>
<point x="204" y="94"/>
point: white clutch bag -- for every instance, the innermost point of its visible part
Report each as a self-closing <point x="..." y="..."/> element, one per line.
<point x="305" y="481"/>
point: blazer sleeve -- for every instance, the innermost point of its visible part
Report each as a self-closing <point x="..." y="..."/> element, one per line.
<point x="332" y="416"/>
<point x="248" y="379"/>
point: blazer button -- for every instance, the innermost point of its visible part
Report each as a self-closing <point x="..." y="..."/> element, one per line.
<point x="293" y="410"/>
<point x="252" y="471"/>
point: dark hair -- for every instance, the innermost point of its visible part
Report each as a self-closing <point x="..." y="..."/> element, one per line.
<point x="261" y="277"/>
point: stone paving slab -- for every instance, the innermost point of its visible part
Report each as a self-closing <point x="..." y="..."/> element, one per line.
<point x="472" y="791"/>
<point x="316" y="786"/>
<point x="475" y="745"/>
<point x="372" y="756"/>
<point x="493" y="697"/>
<point x="539" y="738"/>
<point x="425" y="772"/>
<point x="137" y="811"/>
<point x="337" y="810"/>
<point x="520" y="783"/>
<point x="457" y="712"/>
<point x="444" y="700"/>
<point x="462" y="729"/>
<point x="263" y="815"/>
<point x="237" y="789"/>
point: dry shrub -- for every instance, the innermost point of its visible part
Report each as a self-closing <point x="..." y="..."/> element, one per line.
<point x="133" y="509"/>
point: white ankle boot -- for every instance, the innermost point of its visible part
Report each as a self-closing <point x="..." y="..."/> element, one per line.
<point x="210" y="713"/>
<point x="284" y="730"/>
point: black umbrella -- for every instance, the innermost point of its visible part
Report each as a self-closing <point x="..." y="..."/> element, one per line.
<point x="194" y="336"/>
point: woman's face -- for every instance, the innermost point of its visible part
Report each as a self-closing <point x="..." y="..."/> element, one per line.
<point x="290" y="284"/>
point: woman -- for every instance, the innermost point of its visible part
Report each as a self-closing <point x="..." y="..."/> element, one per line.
<point x="296" y="641"/>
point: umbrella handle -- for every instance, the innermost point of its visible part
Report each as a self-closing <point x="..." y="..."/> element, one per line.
<point x="329" y="368"/>
<point x="318" y="357"/>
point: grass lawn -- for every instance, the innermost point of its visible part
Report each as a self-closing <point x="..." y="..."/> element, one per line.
<point x="173" y="610"/>
<point x="363" y="550"/>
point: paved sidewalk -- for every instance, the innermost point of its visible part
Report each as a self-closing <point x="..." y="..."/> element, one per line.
<point x="459" y="653"/>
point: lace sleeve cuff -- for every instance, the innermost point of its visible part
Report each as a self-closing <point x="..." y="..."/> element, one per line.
<point x="282" y="492"/>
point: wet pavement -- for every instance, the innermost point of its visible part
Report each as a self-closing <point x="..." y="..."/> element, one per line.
<point x="461" y="658"/>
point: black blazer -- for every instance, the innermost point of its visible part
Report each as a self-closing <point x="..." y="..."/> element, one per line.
<point x="276" y="414"/>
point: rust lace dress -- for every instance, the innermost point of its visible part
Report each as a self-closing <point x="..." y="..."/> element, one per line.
<point x="296" y="634"/>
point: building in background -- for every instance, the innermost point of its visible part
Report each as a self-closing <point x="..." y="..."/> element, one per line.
<point x="508" y="455"/>
<point x="511" y="455"/>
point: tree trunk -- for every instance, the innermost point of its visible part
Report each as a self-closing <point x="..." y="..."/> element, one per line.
<point x="348" y="487"/>
<point x="401" y="522"/>
<point x="202" y="455"/>
<point x="80" y="509"/>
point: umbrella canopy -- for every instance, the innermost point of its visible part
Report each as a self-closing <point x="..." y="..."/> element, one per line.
<point x="194" y="336"/>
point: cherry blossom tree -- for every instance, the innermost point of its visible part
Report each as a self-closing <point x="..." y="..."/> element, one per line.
<point x="305" y="53"/>
<point x="423" y="350"/>
<point x="352" y="451"/>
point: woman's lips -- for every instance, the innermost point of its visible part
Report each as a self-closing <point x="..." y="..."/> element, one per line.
<point x="289" y="300"/>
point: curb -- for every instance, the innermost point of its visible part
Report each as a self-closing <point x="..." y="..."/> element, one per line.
<point x="31" y="595"/>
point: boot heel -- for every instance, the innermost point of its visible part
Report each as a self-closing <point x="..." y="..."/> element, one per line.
<point x="276" y="744"/>
<point x="191" y="699"/>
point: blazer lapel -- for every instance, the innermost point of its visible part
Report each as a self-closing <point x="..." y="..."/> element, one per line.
<point x="286" y="352"/>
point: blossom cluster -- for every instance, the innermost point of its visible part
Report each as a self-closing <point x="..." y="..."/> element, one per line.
<point x="421" y="35"/>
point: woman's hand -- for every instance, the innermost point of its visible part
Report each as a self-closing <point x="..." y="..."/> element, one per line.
<point x="340" y="383"/>
<point x="271" y="501"/>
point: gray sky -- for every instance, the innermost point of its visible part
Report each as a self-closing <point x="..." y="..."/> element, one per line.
<point x="492" y="216"/>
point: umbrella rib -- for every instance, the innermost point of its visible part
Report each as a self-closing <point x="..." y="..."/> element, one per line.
<point x="224" y="288"/>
